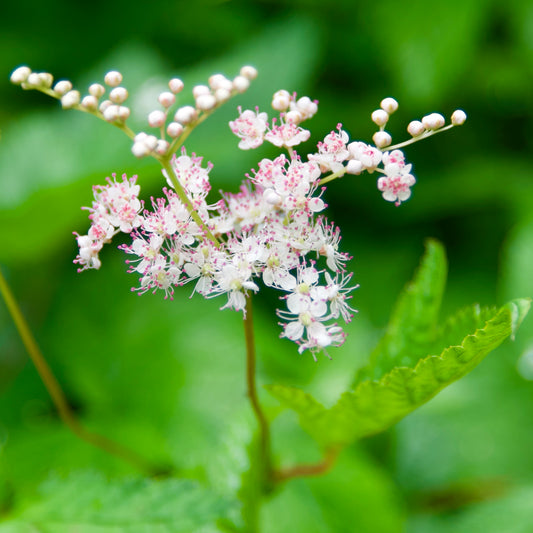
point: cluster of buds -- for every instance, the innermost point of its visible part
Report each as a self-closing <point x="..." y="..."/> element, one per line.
<point x="107" y="102"/>
<point x="272" y="232"/>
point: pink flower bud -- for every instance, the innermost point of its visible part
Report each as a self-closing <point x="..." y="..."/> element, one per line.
<point x="175" y="85"/>
<point x="174" y="130"/>
<point x="97" y="90"/>
<point x="381" y="139"/>
<point x="113" y="78"/>
<point x="241" y="84"/>
<point x="390" y="105"/>
<point x="415" y="128"/>
<point x="62" y="87"/>
<point x="118" y="95"/>
<point x="156" y="119"/>
<point x="166" y="99"/>
<point x="458" y="117"/>
<point x="380" y="117"/>
<point x="249" y="72"/>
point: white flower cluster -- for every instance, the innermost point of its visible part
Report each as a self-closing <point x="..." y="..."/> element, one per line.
<point x="272" y="231"/>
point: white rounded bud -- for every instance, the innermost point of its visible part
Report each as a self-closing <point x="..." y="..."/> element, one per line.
<point x="118" y="95"/>
<point x="222" y="95"/>
<point x="306" y="106"/>
<point x="166" y="99"/>
<point x="381" y="139"/>
<point x="20" y="75"/>
<point x="249" y="72"/>
<point x="111" y="113"/>
<point x="175" y="85"/>
<point x="241" y="84"/>
<point x="162" y="147"/>
<point x="390" y="105"/>
<point x="198" y="90"/>
<point x="281" y="100"/>
<point x="433" y="121"/>
<point x="70" y="99"/>
<point x="33" y="79"/>
<point x="104" y="105"/>
<point x="62" y="87"/>
<point x="157" y="118"/>
<point x="151" y="141"/>
<point x="97" y="90"/>
<point x="90" y="102"/>
<point x="458" y="117"/>
<point x="46" y="79"/>
<point x="185" y="114"/>
<point x="415" y="128"/>
<point x="219" y="81"/>
<point x="380" y="117"/>
<point x="205" y="102"/>
<point x="139" y="149"/>
<point x="293" y="116"/>
<point x="113" y="78"/>
<point x="354" y="167"/>
<point x="123" y="112"/>
<point x="174" y="130"/>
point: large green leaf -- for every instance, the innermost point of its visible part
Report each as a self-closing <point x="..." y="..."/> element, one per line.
<point x="87" y="502"/>
<point x="374" y="406"/>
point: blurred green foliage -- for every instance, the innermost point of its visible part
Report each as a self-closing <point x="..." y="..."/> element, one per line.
<point x="168" y="377"/>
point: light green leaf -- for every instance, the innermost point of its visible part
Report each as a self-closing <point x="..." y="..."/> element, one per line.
<point x="87" y="502"/>
<point x="413" y="326"/>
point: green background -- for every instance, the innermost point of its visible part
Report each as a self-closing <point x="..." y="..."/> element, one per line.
<point x="168" y="377"/>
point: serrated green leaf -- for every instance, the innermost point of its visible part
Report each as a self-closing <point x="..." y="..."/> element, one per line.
<point x="413" y="326"/>
<point x="87" y="502"/>
<point x="374" y="406"/>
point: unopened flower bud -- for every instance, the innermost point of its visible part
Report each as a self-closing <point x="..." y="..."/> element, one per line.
<point x="354" y="167"/>
<point x="222" y="95"/>
<point x="241" y="84"/>
<point x="113" y="78"/>
<point x="97" y="90"/>
<point x="415" y="128"/>
<point x="307" y="107"/>
<point x="175" y="85"/>
<point x="380" y="117"/>
<point x="90" y="102"/>
<point x="433" y="121"/>
<point x="185" y="114"/>
<point x="205" y="102"/>
<point x="281" y="100"/>
<point x="151" y="141"/>
<point x="62" y="87"/>
<point x="271" y="197"/>
<point x="33" y="79"/>
<point x="157" y="118"/>
<point x="166" y="99"/>
<point x="174" y="130"/>
<point x="458" y="117"/>
<point x="118" y="95"/>
<point x="46" y="79"/>
<point x="111" y="113"/>
<point x="198" y="90"/>
<point x="293" y="116"/>
<point x="249" y="72"/>
<point x="381" y="139"/>
<point x="139" y="149"/>
<point x="219" y="81"/>
<point x="104" y="105"/>
<point x="20" y="75"/>
<point x="390" y="105"/>
<point x="162" y="147"/>
<point x="70" y="99"/>
<point x="123" y="112"/>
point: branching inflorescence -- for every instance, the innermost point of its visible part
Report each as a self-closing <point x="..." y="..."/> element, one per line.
<point x="273" y="229"/>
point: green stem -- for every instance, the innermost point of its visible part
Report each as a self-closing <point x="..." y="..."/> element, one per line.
<point x="182" y="195"/>
<point x="264" y="428"/>
<point x="58" y="396"/>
